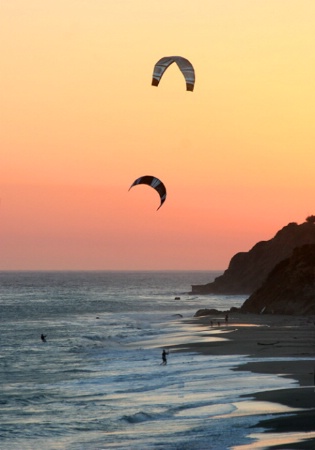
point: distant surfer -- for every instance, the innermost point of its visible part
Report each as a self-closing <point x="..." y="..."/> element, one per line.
<point x="164" y="360"/>
<point x="43" y="338"/>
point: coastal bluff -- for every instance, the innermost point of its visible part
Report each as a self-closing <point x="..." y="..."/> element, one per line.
<point x="289" y="288"/>
<point x="247" y="271"/>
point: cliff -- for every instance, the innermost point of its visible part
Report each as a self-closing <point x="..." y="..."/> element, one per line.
<point x="289" y="288"/>
<point x="248" y="270"/>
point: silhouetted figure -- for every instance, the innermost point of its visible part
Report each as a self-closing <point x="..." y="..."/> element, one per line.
<point x="219" y="324"/>
<point x="164" y="360"/>
<point x="226" y="319"/>
<point x="43" y="338"/>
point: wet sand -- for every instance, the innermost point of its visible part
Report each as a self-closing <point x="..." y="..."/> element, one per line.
<point x="266" y="336"/>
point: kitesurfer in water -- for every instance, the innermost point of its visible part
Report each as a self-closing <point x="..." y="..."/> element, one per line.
<point x="164" y="360"/>
<point x="43" y="338"/>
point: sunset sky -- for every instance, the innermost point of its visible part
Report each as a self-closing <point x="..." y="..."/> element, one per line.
<point x="80" y="122"/>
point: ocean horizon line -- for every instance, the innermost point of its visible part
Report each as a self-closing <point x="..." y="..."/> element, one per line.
<point x="108" y="270"/>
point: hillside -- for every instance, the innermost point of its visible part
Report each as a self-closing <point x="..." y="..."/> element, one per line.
<point x="248" y="270"/>
<point x="289" y="288"/>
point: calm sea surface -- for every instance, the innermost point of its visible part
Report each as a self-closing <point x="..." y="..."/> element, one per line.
<point x="98" y="382"/>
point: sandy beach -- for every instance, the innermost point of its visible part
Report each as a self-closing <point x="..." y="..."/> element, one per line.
<point x="272" y="336"/>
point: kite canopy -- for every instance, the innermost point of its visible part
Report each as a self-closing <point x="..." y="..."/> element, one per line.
<point x="153" y="182"/>
<point x="184" y="65"/>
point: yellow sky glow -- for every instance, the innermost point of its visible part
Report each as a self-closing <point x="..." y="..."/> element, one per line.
<point x="80" y="122"/>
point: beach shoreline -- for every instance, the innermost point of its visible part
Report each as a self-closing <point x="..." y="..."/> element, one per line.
<point x="270" y="336"/>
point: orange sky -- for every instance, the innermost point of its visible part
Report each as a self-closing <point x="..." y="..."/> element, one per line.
<point x="80" y="122"/>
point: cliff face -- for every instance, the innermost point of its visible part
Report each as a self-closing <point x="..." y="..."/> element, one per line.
<point x="289" y="288"/>
<point x="248" y="270"/>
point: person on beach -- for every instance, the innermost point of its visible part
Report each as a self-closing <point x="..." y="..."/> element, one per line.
<point x="164" y="360"/>
<point x="226" y="319"/>
<point x="43" y="338"/>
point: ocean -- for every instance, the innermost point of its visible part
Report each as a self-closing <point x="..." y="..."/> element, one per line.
<point x="98" y="382"/>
